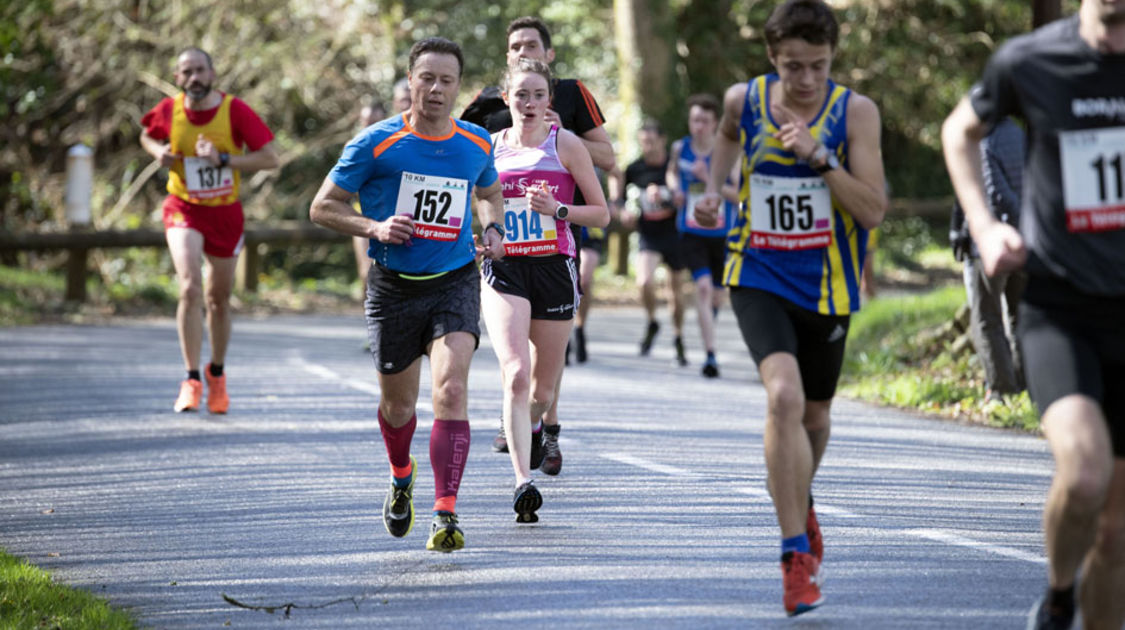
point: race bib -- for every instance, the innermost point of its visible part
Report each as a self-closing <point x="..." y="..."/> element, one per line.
<point x="1093" y="179"/>
<point x="205" y="180"/>
<point x="437" y="204"/>
<point x="695" y="193"/>
<point x="790" y="213"/>
<point x="526" y="232"/>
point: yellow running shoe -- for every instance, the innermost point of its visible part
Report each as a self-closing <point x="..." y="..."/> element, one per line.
<point x="445" y="536"/>
<point x="191" y="391"/>
<point x="217" y="399"/>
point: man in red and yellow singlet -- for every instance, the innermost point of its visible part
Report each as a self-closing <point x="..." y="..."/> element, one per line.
<point x="207" y="139"/>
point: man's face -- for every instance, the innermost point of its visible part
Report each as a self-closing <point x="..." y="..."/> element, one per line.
<point x="434" y="82"/>
<point x="803" y="69"/>
<point x="525" y="43"/>
<point x="701" y="123"/>
<point x="1111" y="11"/>
<point x="194" y="75"/>
<point x="652" y="143"/>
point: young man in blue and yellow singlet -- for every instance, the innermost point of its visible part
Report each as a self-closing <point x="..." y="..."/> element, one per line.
<point x="207" y="139"/>
<point x="812" y="187"/>
<point x="414" y="175"/>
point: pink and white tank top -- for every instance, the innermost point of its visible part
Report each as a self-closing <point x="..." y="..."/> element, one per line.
<point x="528" y="233"/>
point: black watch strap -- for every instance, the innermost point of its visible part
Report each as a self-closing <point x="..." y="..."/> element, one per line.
<point x="224" y="159"/>
<point x="495" y="226"/>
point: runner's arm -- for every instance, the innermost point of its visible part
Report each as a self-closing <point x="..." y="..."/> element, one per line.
<point x="263" y="159"/>
<point x="490" y="206"/>
<point x="160" y="150"/>
<point x="1000" y="249"/>
<point x="332" y="209"/>
<point x="672" y="173"/>
<point x="600" y="147"/>
<point x="724" y="156"/>
<point x="576" y="160"/>
<point x="862" y="188"/>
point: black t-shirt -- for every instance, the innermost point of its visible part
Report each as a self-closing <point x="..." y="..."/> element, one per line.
<point x="639" y="175"/>
<point x="1072" y="98"/>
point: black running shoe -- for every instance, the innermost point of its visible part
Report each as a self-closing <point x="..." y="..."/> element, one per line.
<point x="500" y="442"/>
<point x="711" y="368"/>
<point x="526" y="501"/>
<point x="552" y="456"/>
<point x="536" y="448"/>
<point x="445" y="536"/>
<point x="650" y="334"/>
<point x="1044" y="617"/>
<point x="681" y="357"/>
<point x="398" y="507"/>
<point x="580" y="345"/>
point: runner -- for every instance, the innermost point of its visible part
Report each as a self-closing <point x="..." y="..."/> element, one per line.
<point x="207" y="139"/>
<point x="413" y="174"/>
<point x="652" y="212"/>
<point x="573" y="108"/>
<point x="703" y="250"/>
<point x="812" y="187"/>
<point x="1065" y="81"/>
<point x="532" y="294"/>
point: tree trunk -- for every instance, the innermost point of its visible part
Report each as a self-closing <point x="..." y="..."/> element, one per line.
<point x="1044" y="11"/>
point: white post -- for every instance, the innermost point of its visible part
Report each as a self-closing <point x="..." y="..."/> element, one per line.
<point x="79" y="184"/>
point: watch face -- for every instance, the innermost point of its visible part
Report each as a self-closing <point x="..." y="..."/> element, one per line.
<point x="561" y="212"/>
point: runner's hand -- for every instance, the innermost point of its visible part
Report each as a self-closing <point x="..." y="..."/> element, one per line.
<point x="490" y="245"/>
<point x="395" y="230"/>
<point x="1001" y="249"/>
<point x="205" y="149"/>
<point x="707" y="209"/>
<point x="551" y="117"/>
<point x="540" y="200"/>
<point x="794" y="133"/>
<point x="167" y="157"/>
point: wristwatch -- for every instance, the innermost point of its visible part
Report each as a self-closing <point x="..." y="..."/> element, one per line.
<point x="495" y="226"/>
<point x="821" y="153"/>
<point x="562" y="211"/>
<point x="224" y="159"/>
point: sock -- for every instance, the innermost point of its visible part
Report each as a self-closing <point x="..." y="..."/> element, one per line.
<point x="404" y="480"/>
<point x="193" y="375"/>
<point x="710" y="355"/>
<point x="538" y="426"/>
<point x="397" y="440"/>
<point x="553" y="429"/>
<point x="449" y="451"/>
<point x="799" y="542"/>
<point x="1061" y="601"/>
<point x="216" y="370"/>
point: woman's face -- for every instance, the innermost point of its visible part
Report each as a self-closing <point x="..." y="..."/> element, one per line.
<point x="528" y="97"/>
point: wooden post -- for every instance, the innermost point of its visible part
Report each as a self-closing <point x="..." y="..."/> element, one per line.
<point x="619" y="251"/>
<point x="246" y="278"/>
<point x="76" y="265"/>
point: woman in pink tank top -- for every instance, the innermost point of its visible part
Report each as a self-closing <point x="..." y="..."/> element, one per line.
<point x="529" y="297"/>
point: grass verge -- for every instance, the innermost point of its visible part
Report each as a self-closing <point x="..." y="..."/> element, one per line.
<point x="901" y="352"/>
<point x="30" y="599"/>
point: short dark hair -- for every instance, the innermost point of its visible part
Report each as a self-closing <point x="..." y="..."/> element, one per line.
<point x="810" y="20"/>
<point x="529" y="21"/>
<point x="439" y="45"/>
<point x="533" y="66"/>
<point x="706" y="102"/>
<point x="653" y="126"/>
<point x="194" y="49"/>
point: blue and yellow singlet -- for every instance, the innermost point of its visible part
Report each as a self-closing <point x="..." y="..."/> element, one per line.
<point x="791" y="236"/>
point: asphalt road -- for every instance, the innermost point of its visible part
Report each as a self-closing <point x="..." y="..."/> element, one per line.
<point x="659" y="519"/>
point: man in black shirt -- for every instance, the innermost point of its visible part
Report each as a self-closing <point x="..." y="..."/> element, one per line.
<point x="650" y="208"/>
<point x="1065" y="80"/>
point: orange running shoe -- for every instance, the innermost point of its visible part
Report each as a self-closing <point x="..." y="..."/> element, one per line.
<point x="191" y="391"/>
<point x="217" y="399"/>
<point x="802" y="593"/>
<point x="816" y="543"/>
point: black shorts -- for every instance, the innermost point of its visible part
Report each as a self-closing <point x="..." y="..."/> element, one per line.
<point x="404" y="316"/>
<point x="593" y="239"/>
<point x="667" y="244"/>
<point x="549" y="283"/>
<point x="770" y="323"/>
<point x="704" y="256"/>
<point x="1074" y="343"/>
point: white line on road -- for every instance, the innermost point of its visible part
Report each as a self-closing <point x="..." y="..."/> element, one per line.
<point x="938" y="535"/>
<point x="363" y="386"/>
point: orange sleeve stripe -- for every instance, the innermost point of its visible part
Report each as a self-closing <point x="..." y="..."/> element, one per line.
<point x="591" y="105"/>
<point x="480" y="142"/>
<point x="386" y="144"/>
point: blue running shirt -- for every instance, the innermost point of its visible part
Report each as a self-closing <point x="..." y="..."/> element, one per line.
<point x="692" y="188"/>
<point x="791" y="237"/>
<point x="395" y="170"/>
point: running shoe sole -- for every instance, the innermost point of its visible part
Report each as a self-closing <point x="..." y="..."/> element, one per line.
<point x="388" y="518"/>
<point x="446" y="539"/>
<point x="526" y="502"/>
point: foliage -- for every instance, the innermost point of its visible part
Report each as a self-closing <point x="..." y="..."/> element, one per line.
<point x="30" y="599"/>
<point x="896" y="355"/>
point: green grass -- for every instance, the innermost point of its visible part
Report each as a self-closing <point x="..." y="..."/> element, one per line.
<point x="30" y="599"/>
<point x="900" y="353"/>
